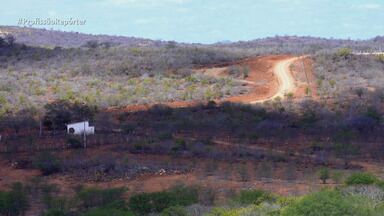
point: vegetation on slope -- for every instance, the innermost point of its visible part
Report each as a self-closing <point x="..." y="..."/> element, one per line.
<point x="104" y="76"/>
<point x="361" y="200"/>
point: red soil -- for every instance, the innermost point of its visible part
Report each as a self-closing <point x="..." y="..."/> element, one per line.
<point x="261" y="79"/>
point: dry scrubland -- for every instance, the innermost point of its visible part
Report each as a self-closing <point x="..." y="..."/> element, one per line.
<point x="319" y="153"/>
<point x="103" y="77"/>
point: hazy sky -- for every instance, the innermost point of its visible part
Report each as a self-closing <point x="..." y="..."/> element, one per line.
<point x="207" y="21"/>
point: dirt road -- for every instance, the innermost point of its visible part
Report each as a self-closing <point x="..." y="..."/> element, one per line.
<point x="269" y="77"/>
<point x="285" y="80"/>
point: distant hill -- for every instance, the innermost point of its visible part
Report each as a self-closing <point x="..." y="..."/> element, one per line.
<point x="269" y="45"/>
<point x="52" y="38"/>
<point x="306" y="44"/>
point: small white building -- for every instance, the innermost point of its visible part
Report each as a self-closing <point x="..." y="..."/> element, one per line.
<point x="78" y="128"/>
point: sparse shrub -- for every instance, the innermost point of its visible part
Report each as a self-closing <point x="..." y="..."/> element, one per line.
<point x="171" y="45"/>
<point x="211" y="104"/>
<point x="337" y="176"/>
<point x="359" y="92"/>
<point x="290" y="171"/>
<point x="221" y="212"/>
<point x="207" y="196"/>
<point x="10" y="39"/>
<point x="324" y="174"/>
<point x="184" y="195"/>
<point x="129" y="128"/>
<point x="210" y="167"/>
<point x="344" y="52"/>
<point x="243" y="172"/>
<point x="145" y="203"/>
<point x="380" y="58"/>
<point x="55" y="212"/>
<point x="93" y="197"/>
<point x="74" y="143"/>
<point x="174" y="211"/>
<point x="14" y="202"/>
<point x="245" y="72"/>
<point x="361" y="179"/>
<point x="374" y="193"/>
<point x="264" y="170"/>
<point x="373" y="113"/>
<point x="180" y="145"/>
<point x="51" y="200"/>
<point x="161" y="110"/>
<point x="307" y="91"/>
<point x="324" y="203"/>
<point x="92" y="44"/>
<point x="197" y="210"/>
<point x="47" y="163"/>
<point x="235" y="71"/>
<point x="2" y="42"/>
<point x="164" y="135"/>
<point x="290" y="95"/>
<point x="331" y="203"/>
<point x="60" y="113"/>
<point x="108" y="212"/>
<point x="248" y="197"/>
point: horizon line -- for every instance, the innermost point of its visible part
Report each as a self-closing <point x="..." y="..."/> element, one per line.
<point x="229" y="41"/>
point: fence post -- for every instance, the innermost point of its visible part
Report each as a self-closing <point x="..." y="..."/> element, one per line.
<point x="41" y="128"/>
<point x="85" y="137"/>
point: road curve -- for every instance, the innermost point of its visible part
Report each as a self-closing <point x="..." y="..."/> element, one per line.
<point x="281" y="70"/>
<point x="285" y="80"/>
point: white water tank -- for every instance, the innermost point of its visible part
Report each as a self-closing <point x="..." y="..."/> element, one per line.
<point x="78" y="128"/>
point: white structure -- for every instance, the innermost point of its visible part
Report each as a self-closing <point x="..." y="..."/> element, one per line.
<point x="79" y="128"/>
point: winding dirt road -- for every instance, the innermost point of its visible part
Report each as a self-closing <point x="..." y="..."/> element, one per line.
<point x="285" y="80"/>
<point x="269" y="77"/>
